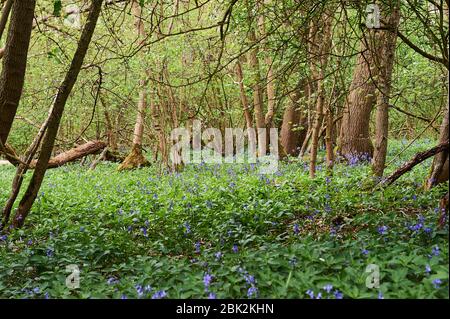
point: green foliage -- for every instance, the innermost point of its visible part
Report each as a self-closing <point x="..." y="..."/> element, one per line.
<point x="283" y="234"/>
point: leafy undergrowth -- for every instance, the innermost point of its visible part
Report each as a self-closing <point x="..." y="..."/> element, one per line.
<point x="226" y="231"/>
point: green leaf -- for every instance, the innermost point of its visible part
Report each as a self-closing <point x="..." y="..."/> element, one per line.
<point x="57" y="6"/>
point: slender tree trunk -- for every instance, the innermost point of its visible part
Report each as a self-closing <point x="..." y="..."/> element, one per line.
<point x="270" y="81"/>
<point x="440" y="167"/>
<point x="329" y="139"/>
<point x="5" y="14"/>
<point x="136" y="158"/>
<point x="257" y="90"/>
<point x="244" y="100"/>
<point x="385" y="60"/>
<point x="321" y="42"/>
<point x="14" y="63"/>
<point x="58" y="108"/>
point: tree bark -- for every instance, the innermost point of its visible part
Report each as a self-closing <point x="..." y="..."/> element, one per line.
<point x="14" y="63"/>
<point x="417" y="159"/>
<point x="244" y="100"/>
<point x="5" y="14"/>
<point x="135" y="158"/>
<point x="319" y="49"/>
<point x="289" y="134"/>
<point x="58" y="108"/>
<point x="440" y="167"/>
<point x="73" y="154"/>
<point x="385" y="61"/>
<point x="257" y="90"/>
<point x="354" y="141"/>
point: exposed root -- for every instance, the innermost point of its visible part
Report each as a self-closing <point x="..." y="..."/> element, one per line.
<point x="134" y="160"/>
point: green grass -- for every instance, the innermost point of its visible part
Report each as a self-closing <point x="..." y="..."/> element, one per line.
<point x="292" y="234"/>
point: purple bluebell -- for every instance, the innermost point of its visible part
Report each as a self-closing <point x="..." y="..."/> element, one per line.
<point x="338" y="294"/>
<point x="207" y="278"/>
<point x="252" y="292"/>
<point x="212" y="295"/>
<point x="197" y="246"/>
<point x="159" y="294"/>
<point x="382" y="230"/>
<point x="437" y="283"/>
<point x="427" y="269"/>
<point x="328" y="288"/>
<point x="218" y="255"/>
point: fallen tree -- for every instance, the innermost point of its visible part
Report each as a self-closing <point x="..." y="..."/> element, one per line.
<point x="91" y="147"/>
<point x="417" y="159"/>
<point x="80" y="151"/>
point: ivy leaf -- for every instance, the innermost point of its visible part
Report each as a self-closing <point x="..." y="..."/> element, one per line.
<point x="141" y="3"/>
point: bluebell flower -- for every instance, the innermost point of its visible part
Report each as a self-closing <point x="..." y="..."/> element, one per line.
<point x="364" y="251"/>
<point x="159" y="294"/>
<point x="328" y="288"/>
<point x="310" y="293"/>
<point x="139" y="290"/>
<point x="123" y="297"/>
<point x="112" y="281"/>
<point x="218" y="255"/>
<point x="46" y="295"/>
<point x="338" y="294"/>
<point x="435" y="251"/>
<point x="49" y="252"/>
<point x="148" y="288"/>
<point x="380" y="295"/>
<point x="188" y="228"/>
<point x="296" y="229"/>
<point x="207" y="278"/>
<point x="212" y="295"/>
<point x="3" y="238"/>
<point x="249" y="279"/>
<point x="252" y="292"/>
<point x="235" y="248"/>
<point x="36" y="290"/>
<point x="382" y="230"/>
<point x="319" y="295"/>
<point x="197" y="246"/>
<point x="427" y="269"/>
<point x="437" y="283"/>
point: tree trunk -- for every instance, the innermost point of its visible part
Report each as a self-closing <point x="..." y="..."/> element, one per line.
<point x="289" y="134"/>
<point x="136" y="158"/>
<point x="14" y="63"/>
<point x="257" y="90"/>
<point x="5" y="14"/>
<point x="417" y="159"/>
<point x="319" y="49"/>
<point x="73" y="154"/>
<point x="244" y="100"/>
<point x="58" y="108"/>
<point x="440" y="167"/>
<point x="385" y="61"/>
<point x="354" y="139"/>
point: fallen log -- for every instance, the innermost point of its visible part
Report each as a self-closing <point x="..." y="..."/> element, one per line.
<point x="417" y="159"/>
<point x="92" y="147"/>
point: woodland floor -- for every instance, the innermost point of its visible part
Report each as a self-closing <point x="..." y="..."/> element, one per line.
<point x="225" y="231"/>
